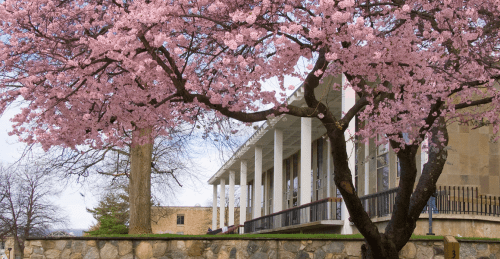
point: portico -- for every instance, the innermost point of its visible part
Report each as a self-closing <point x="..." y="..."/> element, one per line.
<point x="285" y="165"/>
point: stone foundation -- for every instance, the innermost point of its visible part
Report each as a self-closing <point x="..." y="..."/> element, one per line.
<point x="146" y="248"/>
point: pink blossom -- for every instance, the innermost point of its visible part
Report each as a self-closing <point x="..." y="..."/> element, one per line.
<point x="406" y="8"/>
<point x="291" y="87"/>
<point x="178" y="51"/>
<point x="251" y="19"/>
<point x="331" y="56"/>
<point x="321" y="115"/>
<point x="318" y="72"/>
<point x="310" y="66"/>
<point x="232" y="44"/>
<point x="239" y="38"/>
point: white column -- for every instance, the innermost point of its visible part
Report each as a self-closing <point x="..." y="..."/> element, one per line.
<point x="278" y="171"/>
<point x="424" y="153"/>
<point x="305" y="160"/>
<point x="243" y="193"/>
<point x="328" y="168"/>
<point x="329" y="178"/>
<point x="367" y="168"/>
<point x="266" y="194"/>
<point x="348" y="100"/>
<point x="231" y="198"/>
<point x="214" y="209"/>
<point x="222" y="202"/>
<point x="257" y="199"/>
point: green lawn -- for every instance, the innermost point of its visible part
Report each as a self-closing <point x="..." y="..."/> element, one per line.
<point x="286" y="236"/>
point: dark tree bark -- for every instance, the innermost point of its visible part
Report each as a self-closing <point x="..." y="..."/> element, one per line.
<point x="140" y="182"/>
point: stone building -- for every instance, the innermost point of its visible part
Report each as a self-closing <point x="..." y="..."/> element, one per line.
<point x="285" y="174"/>
<point x="184" y="220"/>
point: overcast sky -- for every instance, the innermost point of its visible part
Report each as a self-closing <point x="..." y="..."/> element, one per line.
<point x="77" y="197"/>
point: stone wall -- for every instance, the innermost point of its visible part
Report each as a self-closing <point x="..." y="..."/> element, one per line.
<point x="145" y="248"/>
<point x="451" y="224"/>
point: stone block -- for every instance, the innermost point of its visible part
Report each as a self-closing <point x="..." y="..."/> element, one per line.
<point x="353" y="248"/>
<point x="49" y="244"/>
<point x="129" y="256"/>
<point x="408" y="251"/>
<point x="334" y="247"/>
<point x="260" y="255"/>
<point x="319" y="254"/>
<point x="36" y="243"/>
<point x="232" y="253"/>
<point x="52" y="254"/>
<point x="38" y="250"/>
<point x="197" y="248"/>
<point x="61" y="244"/>
<point x="144" y="250"/>
<point x="78" y="246"/>
<point x="92" y="253"/>
<point x="424" y="251"/>
<point x="252" y="247"/>
<point x="76" y="256"/>
<point x="124" y="247"/>
<point x="109" y="251"/>
<point x="291" y="246"/>
<point x="28" y="250"/>
<point x="159" y="248"/>
<point x="315" y="245"/>
<point x="66" y="254"/>
<point x="181" y="245"/>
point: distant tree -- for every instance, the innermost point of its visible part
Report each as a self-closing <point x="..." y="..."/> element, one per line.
<point x="26" y="208"/>
<point x="112" y="213"/>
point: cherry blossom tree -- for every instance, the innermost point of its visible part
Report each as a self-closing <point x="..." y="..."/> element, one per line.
<point x="87" y="71"/>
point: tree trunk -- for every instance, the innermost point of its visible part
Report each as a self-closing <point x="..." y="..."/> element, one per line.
<point x="140" y="182"/>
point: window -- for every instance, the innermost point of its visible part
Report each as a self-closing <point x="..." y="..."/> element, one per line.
<point x="180" y="219"/>
<point x="2" y="245"/>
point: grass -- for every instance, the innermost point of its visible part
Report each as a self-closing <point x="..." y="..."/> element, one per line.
<point x="287" y="236"/>
<point x="247" y="236"/>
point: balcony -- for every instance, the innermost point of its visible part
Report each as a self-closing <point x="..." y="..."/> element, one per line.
<point x="446" y="200"/>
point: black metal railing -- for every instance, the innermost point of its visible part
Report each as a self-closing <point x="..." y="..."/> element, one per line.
<point x="464" y="200"/>
<point x="379" y="204"/>
<point x="446" y="200"/>
<point x="325" y="209"/>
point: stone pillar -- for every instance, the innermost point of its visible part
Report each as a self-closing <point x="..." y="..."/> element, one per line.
<point x="278" y="171"/>
<point x="243" y="193"/>
<point x="231" y="198"/>
<point x="214" y="208"/>
<point x="348" y="100"/>
<point x="222" y="202"/>
<point x="305" y="160"/>
<point x="257" y="198"/>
